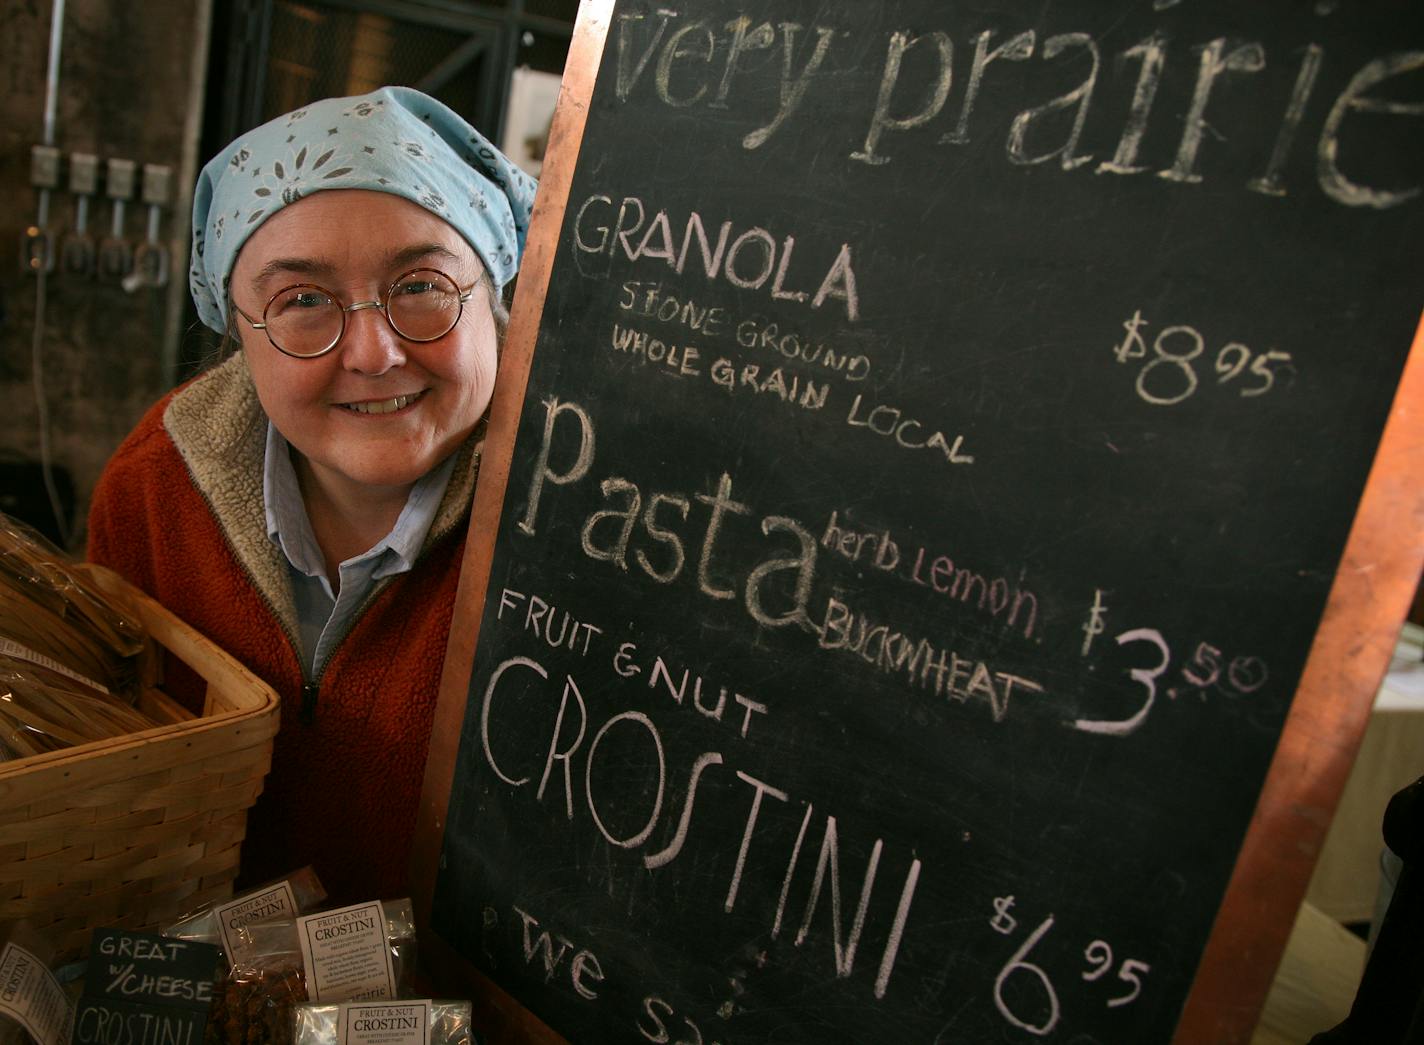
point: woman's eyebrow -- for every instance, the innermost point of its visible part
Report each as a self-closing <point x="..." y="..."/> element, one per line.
<point x="310" y="267"/>
<point x="419" y="252"/>
<point x="320" y="268"/>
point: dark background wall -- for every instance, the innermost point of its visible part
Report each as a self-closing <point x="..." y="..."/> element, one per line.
<point x="131" y="83"/>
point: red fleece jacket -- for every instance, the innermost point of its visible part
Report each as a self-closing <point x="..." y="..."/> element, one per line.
<point x="343" y="790"/>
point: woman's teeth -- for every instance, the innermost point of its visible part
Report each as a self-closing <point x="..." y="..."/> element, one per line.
<point x="382" y="406"/>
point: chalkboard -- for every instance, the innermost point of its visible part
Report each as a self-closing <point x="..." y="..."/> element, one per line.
<point x="143" y="987"/>
<point x="917" y="509"/>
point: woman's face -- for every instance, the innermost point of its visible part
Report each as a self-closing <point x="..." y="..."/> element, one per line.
<point x="337" y="410"/>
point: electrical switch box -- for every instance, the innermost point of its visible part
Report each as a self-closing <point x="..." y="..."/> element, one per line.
<point x="83" y="173"/>
<point x="157" y="183"/>
<point x="44" y="166"/>
<point x="119" y="179"/>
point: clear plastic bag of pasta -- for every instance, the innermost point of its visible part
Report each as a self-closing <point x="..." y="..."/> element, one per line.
<point x="53" y="614"/>
<point x="44" y="708"/>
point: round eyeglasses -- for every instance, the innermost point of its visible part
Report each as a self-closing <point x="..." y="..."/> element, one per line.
<point x="306" y="321"/>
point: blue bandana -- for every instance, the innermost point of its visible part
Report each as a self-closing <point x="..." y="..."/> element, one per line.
<point x="394" y="140"/>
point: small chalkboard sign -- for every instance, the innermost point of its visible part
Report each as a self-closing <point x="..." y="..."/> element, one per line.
<point x="145" y="988"/>
<point x="921" y="466"/>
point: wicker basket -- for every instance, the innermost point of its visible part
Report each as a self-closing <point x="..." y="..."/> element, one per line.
<point x="137" y="830"/>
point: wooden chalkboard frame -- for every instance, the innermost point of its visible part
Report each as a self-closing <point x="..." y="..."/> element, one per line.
<point x="1368" y="600"/>
<point x="499" y="1015"/>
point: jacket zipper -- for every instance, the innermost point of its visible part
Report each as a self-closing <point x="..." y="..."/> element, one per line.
<point x="311" y="687"/>
<point x="310" y="691"/>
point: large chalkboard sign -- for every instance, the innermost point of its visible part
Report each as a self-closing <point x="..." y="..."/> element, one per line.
<point x="944" y="429"/>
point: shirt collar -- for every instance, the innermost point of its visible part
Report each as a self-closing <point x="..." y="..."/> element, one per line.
<point x="290" y="529"/>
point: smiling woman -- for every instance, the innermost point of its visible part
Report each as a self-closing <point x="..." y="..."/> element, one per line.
<point x="304" y="502"/>
<point x="368" y="408"/>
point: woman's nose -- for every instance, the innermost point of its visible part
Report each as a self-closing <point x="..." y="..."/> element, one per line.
<point x="370" y="345"/>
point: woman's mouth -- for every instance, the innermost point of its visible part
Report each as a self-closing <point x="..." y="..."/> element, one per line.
<point x="382" y="406"/>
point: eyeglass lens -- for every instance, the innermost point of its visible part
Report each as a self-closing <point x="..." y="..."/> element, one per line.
<point x="306" y="320"/>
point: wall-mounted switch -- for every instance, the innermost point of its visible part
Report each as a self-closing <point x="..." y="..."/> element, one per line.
<point x="44" y="166"/>
<point x="119" y="179"/>
<point x="157" y="184"/>
<point x="83" y="173"/>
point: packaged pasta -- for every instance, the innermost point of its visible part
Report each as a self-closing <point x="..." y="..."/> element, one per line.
<point x="43" y="708"/>
<point x="423" y="1022"/>
<point x="53" y="614"/>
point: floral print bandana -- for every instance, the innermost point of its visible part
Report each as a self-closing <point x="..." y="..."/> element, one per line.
<point x="394" y="140"/>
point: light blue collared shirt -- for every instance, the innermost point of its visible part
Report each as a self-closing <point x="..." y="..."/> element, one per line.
<point x="324" y="617"/>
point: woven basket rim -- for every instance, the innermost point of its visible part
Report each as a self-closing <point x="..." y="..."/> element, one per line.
<point x="250" y="716"/>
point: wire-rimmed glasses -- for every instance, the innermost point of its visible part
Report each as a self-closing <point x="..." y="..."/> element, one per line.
<point x="305" y="320"/>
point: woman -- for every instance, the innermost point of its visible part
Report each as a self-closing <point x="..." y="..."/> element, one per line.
<point x="304" y="503"/>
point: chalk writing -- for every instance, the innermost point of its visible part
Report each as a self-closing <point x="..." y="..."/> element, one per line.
<point x="789" y="388"/>
<point x="145" y="989"/>
<point x="793" y="82"/>
<point x="1242" y="675"/>
<point x="149" y="967"/>
<point x="657" y="1015"/>
<point x="608" y="534"/>
<point x="540" y="617"/>
<point x="650" y="300"/>
<point x="679" y="360"/>
<point x="1040" y="1019"/>
<point x="1169" y="375"/>
<point x="751" y="260"/>
<point x="105" y="1023"/>
<point x="675" y="684"/>
<point x="639" y="809"/>
<point x="906" y="432"/>
<point x="1094" y="626"/>
<point x="698" y="63"/>
<point x="1003" y="921"/>
<point x="919" y="662"/>
<point x="1017" y="964"/>
<point x="584" y="970"/>
<point x="653" y="301"/>
<point x="128" y="981"/>
<point x="1145" y="677"/>
<point x="767" y="335"/>
<point x="1100" y="958"/>
<point x="996" y="597"/>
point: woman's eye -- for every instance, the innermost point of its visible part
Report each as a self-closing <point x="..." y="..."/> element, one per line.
<point x="301" y="300"/>
<point x="416" y="286"/>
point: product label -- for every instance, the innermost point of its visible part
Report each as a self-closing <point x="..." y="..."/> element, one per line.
<point x="11" y="648"/>
<point x="32" y="997"/>
<point x="384" y="1023"/>
<point x="269" y="905"/>
<point x="346" y="956"/>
